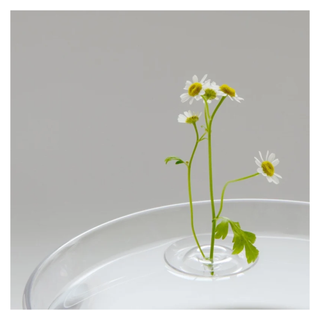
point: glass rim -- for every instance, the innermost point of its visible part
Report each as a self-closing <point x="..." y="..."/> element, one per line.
<point x="26" y="294"/>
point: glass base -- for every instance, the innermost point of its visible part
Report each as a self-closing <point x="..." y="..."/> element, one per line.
<point x="185" y="258"/>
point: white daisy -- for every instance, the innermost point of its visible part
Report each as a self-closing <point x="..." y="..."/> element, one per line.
<point x="195" y="89"/>
<point x="228" y="91"/>
<point x="188" y="117"/>
<point x="266" y="167"/>
<point x="211" y="91"/>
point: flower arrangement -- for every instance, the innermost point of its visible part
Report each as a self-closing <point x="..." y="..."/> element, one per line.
<point x="208" y="91"/>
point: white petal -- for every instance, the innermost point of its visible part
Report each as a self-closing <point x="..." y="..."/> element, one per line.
<point x="264" y="174"/>
<point x="275" y="179"/>
<point x="184" y="97"/>
<point x="187" y="114"/>
<point x="267" y="154"/>
<point x="271" y="157"/>
<point x="275" y="162"/>
<point x="199" y="114"/>
<point x="204" y="78"/>
<point x="195" y="79"/>
<point x="261" y="156"/>
<point x="182" y="118"/>
<point x="191" y="100"/>
<point x="231" y="98"/>
<point x="278" y="175"/>
<point x="258" y="161"/>
<point x="269" y="179"/>
<point x="188" y="84"/>
<point x="260" y="170"/>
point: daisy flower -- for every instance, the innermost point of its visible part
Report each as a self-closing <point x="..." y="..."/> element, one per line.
<point x="195" y="89"/>
<point x="211" y="91"/>
<point x="189" y="117"/>
<point x="228" y="91"/>
<point x="266" y="167"/>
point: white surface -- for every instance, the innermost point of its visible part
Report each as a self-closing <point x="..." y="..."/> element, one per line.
<point x="120" y="265"/>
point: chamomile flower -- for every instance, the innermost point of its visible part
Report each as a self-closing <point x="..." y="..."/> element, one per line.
<point x="266" y="167"/>
<point x="188" y="117"/>
<point x="211" y="91"/>
<point x="195" y="89"/>
<point x="228" y="91"/>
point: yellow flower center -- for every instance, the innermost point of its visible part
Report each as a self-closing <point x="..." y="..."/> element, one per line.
<point x="228" y="90"/>
<point x="194" y="89"/>
<point x="267" y="168"/>
<point x="210" y="94"/>
<point x="192" y="119"/>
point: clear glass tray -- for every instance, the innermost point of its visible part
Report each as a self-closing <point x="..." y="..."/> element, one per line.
<point x="121" y="264"/>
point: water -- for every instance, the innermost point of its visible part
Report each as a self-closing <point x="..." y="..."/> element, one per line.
<point x="141" y="280"/>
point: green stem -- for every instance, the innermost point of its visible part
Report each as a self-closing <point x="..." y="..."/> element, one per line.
<point x="210" y="176"/>
<point x="225" y="186"/>
<point x="206" y="110"/>
<point x="216" y="109"/>
<point x="189" y="188"/>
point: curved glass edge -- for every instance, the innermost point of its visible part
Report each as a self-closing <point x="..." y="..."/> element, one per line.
<point x="26" y="304"/>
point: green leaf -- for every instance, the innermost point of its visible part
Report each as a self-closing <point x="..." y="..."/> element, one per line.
<point x="179" y="161"/>
<point x="252" y="252"/>
<point x="173" y="158"/>
<point x="251" y="236"/>
<point x="243" y="240"/>
<point x="238" y="244"/>
<point x="222" y="229"/>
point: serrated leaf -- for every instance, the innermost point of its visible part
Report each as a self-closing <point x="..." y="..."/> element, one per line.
<point x="222" y="229"/>
<point x="252" y="252"/>
<point x="179" y="161"/>
<point x="250" y="236"/>
<point x="238" y="244"/>
<point x="172" y="158"/>
<point x="243" y="240"/>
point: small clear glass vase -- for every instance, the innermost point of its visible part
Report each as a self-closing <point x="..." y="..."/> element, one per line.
<point x="184" y="257"/>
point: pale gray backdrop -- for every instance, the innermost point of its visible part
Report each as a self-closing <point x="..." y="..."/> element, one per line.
<point x="95" y="101"/>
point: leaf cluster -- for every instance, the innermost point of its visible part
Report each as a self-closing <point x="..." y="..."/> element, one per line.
<point x="241" y="239"/>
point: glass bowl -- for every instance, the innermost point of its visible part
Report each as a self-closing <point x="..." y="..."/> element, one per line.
<point x="121" y="264"/>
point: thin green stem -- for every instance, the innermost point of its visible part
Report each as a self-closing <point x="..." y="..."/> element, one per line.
<point x="206" y="110"/>
<point x="216" y="109"/>
<point x="225" y="186"/>
<point x="211" y="193"/>
<point x="210" y="176"/>
<point x="189" y="188"/>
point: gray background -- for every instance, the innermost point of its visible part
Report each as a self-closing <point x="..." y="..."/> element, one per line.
<point x="95" y="101"/>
